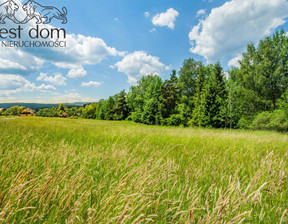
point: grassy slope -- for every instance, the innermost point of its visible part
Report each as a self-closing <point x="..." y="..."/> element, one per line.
<point x="86" y="171"/>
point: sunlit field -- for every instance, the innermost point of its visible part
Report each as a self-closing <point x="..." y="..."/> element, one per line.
<point x="87" y="171"/>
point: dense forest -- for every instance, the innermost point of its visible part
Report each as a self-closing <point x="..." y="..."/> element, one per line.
<point x="255" y="95"/>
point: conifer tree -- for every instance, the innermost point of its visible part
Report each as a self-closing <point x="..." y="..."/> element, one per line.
<point x="121" y="108"/>
<point x="169" y="96"/>
<point x="198" y="97"/>
<point x="109" y="108"/>
<point x="213" y="99"/>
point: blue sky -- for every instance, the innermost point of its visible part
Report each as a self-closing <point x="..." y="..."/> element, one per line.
<point x="112" y="43"/>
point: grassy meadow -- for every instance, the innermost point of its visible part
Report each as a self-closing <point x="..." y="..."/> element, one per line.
<point x="86" y="171"/>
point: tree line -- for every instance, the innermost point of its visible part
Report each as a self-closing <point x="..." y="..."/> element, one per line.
<point x="46" y="112"/>
<point x="254" y="96"/>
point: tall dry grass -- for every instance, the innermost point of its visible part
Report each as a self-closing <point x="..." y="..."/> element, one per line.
<point x="84" y="171"/>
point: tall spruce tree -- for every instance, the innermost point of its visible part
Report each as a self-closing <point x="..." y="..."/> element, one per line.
<point x="195" y="121"/>
<point x="169" y="96"/>
<point x="213" y="99"/>
<point x="109" y="108"/>
<point x="121" y="108"/>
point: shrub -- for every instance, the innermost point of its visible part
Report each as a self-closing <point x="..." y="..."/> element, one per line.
<point x="261" y="121"/>
<point x="244" y="122"/>
<point x="174" y="120"/>
<point x="274" y="121"/>
<point x="135" y="116"/>
<point x="279" y="121"/>
<point x="151" y="114"/>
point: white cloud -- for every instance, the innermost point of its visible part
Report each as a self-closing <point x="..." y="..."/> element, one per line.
<point x="55" y="94"/>
<point x="167" y="68"/>
<point x="139" y="64"/>
<point x="229" y="28"/>
<point x="147" y="14"/>
<point x="152" y="30"/>
<point x="57" y="79"/>
<point x="46" y="88"/>
<point x="71" y="98"/>
<point x="234" y="62"/>
<point x="16" y="61"/>
<point x="201" y="12"/>
<point x="91" y="84"/>
<point x="14" y="84"/>
<point x="11" y="82"/>
<point x="77" y="73"/>
<point x="83" y="50"/>
<point x="6" y="64"/>
<point x="167" y="18"/>
<point x="80" y="51"/>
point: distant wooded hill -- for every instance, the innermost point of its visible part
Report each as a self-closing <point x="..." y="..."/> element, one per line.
<point x="37" y="106"/>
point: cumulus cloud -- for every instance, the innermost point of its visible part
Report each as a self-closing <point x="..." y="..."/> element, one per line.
<point x="80" y="51"/>
<point x="234" y="62"/>
<point x="17" y="61"/>
<point x="71" y="98"/>
<point x="91" y="84"/>
<point x="57" y="79"/>
<point x="6" y="64"/>
<point x="228" y="29"/>
<point x="139" y="64"/>
<point x="167" y="18"/>
<point x="46" y="88"/>
<point x="13" y="84"/>
<point x="77" y="73"/>
<point x="147" y="14"/>
<point x="10" y="82"/>
<point x="201" y="12"/>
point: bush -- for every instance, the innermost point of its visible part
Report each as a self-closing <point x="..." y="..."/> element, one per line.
<point x="174" y="120"/>
<point x="279" y="121"/>
<point x="244" y="122"/>
<point x="261" y="121"/>
<point x="135" y="116"/>
<point x="274" y="121"/>
<point x="151" y="113"/>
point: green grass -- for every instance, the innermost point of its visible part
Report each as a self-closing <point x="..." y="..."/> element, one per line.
<point x="87" y="171"/>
